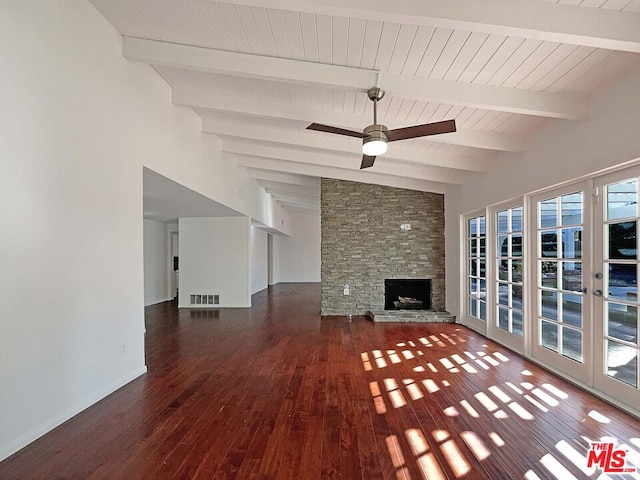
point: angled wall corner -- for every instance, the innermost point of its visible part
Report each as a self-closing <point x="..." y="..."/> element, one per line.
<point x="215" y="260"/>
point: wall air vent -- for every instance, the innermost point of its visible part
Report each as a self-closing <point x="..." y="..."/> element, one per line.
<point x="204" y="299"/>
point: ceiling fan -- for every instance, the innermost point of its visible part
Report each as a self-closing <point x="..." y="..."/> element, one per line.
<point x="375" y="137"/>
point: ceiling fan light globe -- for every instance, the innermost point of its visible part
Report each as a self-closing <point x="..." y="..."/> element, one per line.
<point x="374" y="147"/>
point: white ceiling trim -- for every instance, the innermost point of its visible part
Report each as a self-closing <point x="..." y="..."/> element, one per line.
<point x="346" y="145"/>
<point x="207" y="101"/>
<point x="535" y="19"/>
<point x="436" y="174"/>
<point x="362" y="176"/>
<point x="297" y="201"/>
<point x="495" y="98"/>
<point x="296" y="206"/>
<point x="284" y="178"/>
<point x="301" y="210"/>
<point x="279" y="187"/>
<point x="289" y="194"/>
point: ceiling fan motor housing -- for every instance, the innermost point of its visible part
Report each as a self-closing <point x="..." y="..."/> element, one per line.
<point x="374" y="132"/>
<point x="375" y="141"/>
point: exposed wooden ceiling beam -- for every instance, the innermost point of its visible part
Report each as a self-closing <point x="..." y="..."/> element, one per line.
<point x="207" y="101"/>
<point x="553" y="105"/>
<point x="362" y="176"/>
<point x="343" y="144"/>
<point x="436" y="174"/>
<point x="541" y="20"/>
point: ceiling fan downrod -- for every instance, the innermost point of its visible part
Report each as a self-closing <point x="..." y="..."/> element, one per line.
<point x="375" y="94"/>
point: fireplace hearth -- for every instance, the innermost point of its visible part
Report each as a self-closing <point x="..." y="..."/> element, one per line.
<point x="407" y="294"/>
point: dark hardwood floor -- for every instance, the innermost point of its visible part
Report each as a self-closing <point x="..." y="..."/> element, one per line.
<point x="276" y="392"/>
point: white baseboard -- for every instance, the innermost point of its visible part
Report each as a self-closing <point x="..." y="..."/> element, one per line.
<point x="12" y="447"/>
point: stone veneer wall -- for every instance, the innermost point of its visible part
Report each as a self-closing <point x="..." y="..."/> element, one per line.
<point x="362" y="243"/>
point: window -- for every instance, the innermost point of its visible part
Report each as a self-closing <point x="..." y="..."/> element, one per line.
<point x="477" y="259"/>
<point x="509" y="270"/>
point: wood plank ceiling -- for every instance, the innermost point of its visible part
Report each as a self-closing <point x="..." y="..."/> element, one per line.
<point x="258" y="72"/>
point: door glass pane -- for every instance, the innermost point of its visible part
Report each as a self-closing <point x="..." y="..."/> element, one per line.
<point x="548" y="213"/>
<point x="571" y="243"/>
<point x="572" y="276"/>
<point x="549" y="336"/>
<point x="502" y="246"/>
<point x="503" y="293"/>
<point x="622" y="241"/>
<point x="622" y="362"/>
<point x="516" y="295"/>
<point x="503" y="221"/>
<point x="503" y="270"/>
<point x="516" y="219"/>
<point x="516" y="271"/>
<point x="572" y="209"/>
<point x="517" y="322"/>
<point x="549" y="273"/>
<point x="572" y="310"/>
<point x="549" y="243"/>
<point x="572" y="343"/>
<point x="503" y="318"/>
<point x="473" y="247"/>
<point x="516" y="245"/>
<point x="622" y="200"/>
<point x="622" y="322"/>
<point x="550" y="305"/>
<point x="623" y="281"/>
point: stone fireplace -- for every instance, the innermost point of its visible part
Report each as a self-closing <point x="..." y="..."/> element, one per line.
<point x="372" y="233"/>
<point x="407" y="294"/>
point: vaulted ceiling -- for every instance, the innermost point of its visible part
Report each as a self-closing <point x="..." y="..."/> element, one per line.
<point x="257" y="72"/>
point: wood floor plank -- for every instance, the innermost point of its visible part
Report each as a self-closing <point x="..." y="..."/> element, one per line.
<point x="276" y="392"/>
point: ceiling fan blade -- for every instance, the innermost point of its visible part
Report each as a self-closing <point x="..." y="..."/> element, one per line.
<point x="318" y="127"/>
<point x="367" y="161"/>
<point x="435" y="128"/>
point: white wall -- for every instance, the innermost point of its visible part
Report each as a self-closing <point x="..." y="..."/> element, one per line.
<point x="273" y="253"/>
<point x="214" y="260"/>
<point x="78" y="124"/>
<point x="300" y="252"/>
<point x="560" y="152"/>
<point x="259" y="266"/>
<point x="156" y="258"/>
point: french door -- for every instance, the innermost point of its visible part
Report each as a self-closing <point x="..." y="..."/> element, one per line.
<point x="615" y="282"/>
<point x="562" y="324"/>
<point x="509" y="273"/>
<point x="585" y="309"/>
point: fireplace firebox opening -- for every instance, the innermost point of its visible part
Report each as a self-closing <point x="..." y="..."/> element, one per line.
<point x="407" y="294"/>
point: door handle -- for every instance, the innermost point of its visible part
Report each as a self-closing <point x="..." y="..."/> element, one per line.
<point x="597" y="293"/>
